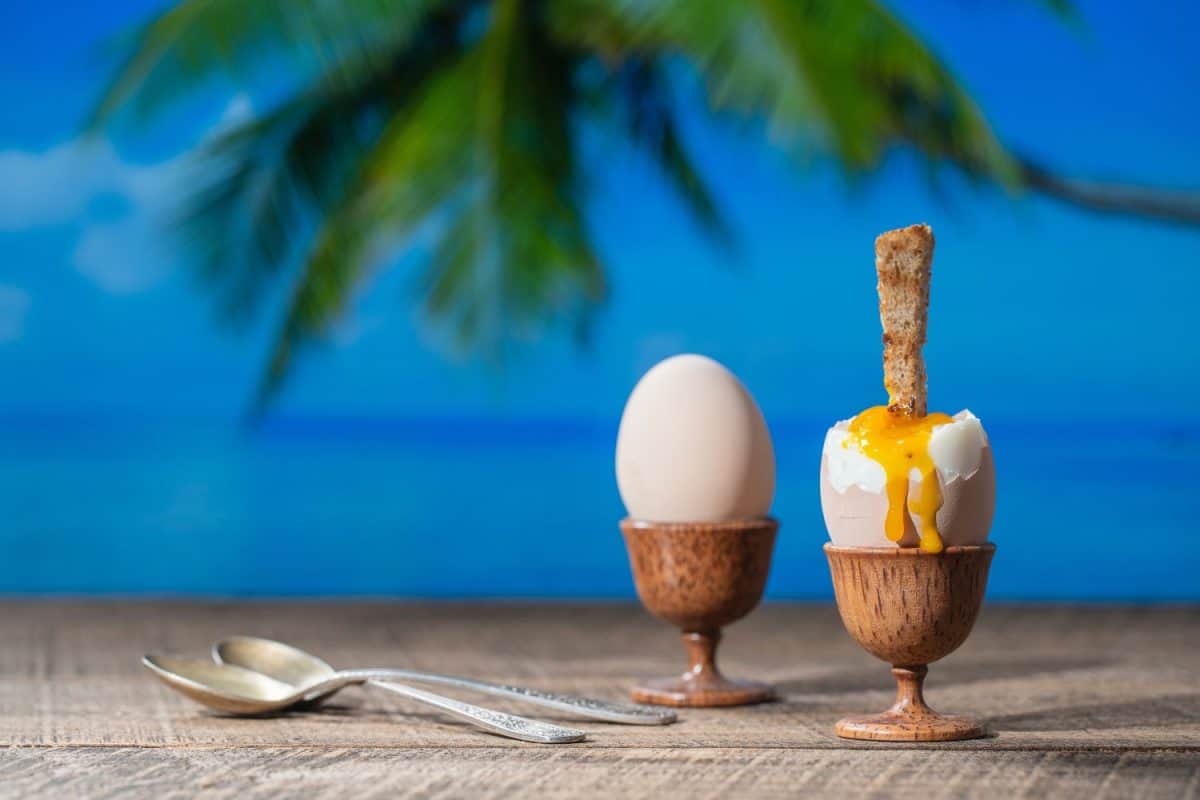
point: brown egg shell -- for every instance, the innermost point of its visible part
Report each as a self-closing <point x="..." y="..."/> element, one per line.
<point x="855" y="518"/>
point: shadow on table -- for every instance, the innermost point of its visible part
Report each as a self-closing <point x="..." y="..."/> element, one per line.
<point x="942" y="675"/>
<point x="342" y="711"/>
<point x="1152" y="712"/>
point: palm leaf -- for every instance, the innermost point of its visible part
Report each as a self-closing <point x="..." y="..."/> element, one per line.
<point x="185" y="47"/>
<point x="646" y="114"/>
<point x="260" y="186"/>
<point x="1065" y="10"/>
<point x="843" y="79"/>
<point x="410" y="170"/>
<point x="266" y="183"/>
<point x="543" y="254"/>
<point x="514" y="251"/>
<point x="448" y="129"/>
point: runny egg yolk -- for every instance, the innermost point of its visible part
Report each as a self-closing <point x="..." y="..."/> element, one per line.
<point x="900" y="444"/>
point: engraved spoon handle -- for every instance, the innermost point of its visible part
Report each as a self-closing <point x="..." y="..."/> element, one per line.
<point x="527" y="730"/>
<point x="584" y="706"/>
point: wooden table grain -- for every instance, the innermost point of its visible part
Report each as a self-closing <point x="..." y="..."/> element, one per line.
<point x="1088" y="702"/>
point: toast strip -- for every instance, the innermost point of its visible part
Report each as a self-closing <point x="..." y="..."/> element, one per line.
<point x="903" y="262"/>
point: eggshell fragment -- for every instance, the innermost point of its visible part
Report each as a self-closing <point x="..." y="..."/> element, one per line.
<point x="693" y="446"/>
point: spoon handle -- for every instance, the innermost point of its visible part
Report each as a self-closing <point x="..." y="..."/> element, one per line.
<point x="584" y="706"/>
<point x="527" y="730"/>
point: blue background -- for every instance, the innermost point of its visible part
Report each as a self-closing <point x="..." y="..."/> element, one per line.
<point x="391" y="467"/>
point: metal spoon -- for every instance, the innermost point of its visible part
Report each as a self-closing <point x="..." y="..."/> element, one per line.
<point x="293" y="665"/>
<point x="241" y="691"/>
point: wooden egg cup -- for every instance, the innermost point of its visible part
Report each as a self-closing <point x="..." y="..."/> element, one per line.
<point x="700" y="577"/>
<point x="909" y="608"/>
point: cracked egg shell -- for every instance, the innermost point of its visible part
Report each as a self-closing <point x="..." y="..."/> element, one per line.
<point x="854" y="502"/>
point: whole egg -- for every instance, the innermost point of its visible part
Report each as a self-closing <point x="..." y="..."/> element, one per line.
<point x="693" y="446"/>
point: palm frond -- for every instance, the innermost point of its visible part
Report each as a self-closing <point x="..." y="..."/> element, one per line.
<point x="727" y="44"/>
<point x="420" y="160"/>
<point x="648" y="116"/>
<point x="1065" y="10"/>
<point x="194" y="41"/>
<point x="844" y="79"/>
<point x="265" y="185"/>
<point x="448" y="129"/>
<point x="515" y="252"/>
<point x="394" y="185"/>
<point x="260" y="187"/>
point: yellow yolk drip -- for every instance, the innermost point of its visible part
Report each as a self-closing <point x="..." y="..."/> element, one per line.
<point x="900" y="444"/>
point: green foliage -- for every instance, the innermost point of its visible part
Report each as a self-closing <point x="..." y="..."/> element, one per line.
<point x="449" y="130"/>
<point x="188" y="45"/>
<point x="840" y="78"/>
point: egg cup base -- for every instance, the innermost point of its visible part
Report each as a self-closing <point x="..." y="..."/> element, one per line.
<point x="686" y="692"/>
<point x="910" y="719"/>
<point x="893" y="726"/>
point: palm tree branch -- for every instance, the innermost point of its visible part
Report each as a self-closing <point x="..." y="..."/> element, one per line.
<point x="1179" y="207"/>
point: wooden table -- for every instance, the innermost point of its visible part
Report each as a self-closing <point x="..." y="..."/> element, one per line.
<point x="1084" y="702"/>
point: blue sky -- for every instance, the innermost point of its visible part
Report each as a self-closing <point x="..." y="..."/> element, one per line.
<point x="1038" y="311"/>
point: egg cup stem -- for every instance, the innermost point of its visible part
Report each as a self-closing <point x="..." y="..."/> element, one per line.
<point x="910" y="688"/>
<point x="702" y="654"/>
<point x="702" y="684"/>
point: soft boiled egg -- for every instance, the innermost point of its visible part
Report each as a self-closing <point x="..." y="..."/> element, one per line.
<point x="893" y="482"/>
<point x="693" y="446"/>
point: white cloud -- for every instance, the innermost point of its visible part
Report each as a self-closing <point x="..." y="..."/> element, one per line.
<point x="43" y="188"/>
<point x="63" y="184"/>
<point x="14" y="306"/>
<point x="123" y="257"/>
<point x="59" y="184"/>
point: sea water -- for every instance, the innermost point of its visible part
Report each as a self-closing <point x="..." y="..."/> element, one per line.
<point x="529" y="508"/>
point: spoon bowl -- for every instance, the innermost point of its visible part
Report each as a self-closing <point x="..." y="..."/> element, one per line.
<point x="278" y="661"/>
<point x="224" y="687"/>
